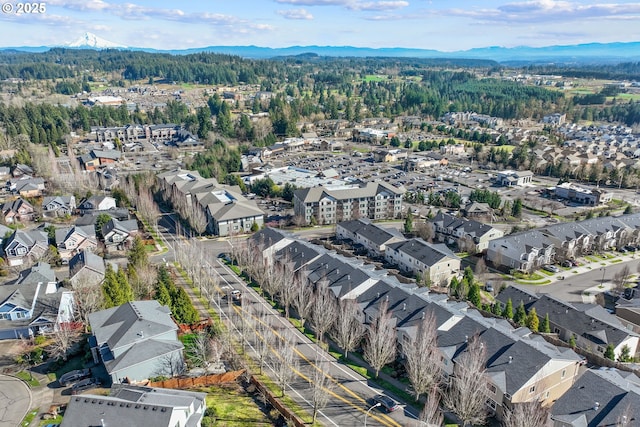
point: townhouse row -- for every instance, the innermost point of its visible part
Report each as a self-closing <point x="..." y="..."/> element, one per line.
<point x="521" y="366"/>
<point x="530" y="250"/>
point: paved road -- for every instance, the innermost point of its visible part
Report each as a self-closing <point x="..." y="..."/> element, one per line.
<point x="15" y="400"/>
<point x="573" y="287"/>
<point x="350" y="395"/>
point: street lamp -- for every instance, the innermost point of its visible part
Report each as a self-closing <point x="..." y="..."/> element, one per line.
<point x="604" y="269"/>
<point x="369" y="410"/>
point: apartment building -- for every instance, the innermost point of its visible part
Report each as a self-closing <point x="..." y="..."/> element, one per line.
<point x="329" y="205"/>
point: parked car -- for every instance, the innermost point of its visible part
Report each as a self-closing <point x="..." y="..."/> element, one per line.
<point x="86" y="384"/>
<point x="622" y="250"/>
<point x="387" y="403"/>
<point x="630" y="248"/>
<point x="566" y="263"/>
<point x="551" y="268"/>
<point x="74" y="376"/>
<point x="488" y="287"/>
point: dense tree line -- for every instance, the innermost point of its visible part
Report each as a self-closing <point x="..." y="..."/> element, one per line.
<point x="622" y="71"/>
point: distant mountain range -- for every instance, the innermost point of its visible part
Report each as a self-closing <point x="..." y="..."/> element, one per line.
<point x="581" y="53"/>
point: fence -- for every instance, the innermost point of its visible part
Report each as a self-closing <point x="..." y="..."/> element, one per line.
<point x="275" y="402"/>
<point x="203" y="381"/>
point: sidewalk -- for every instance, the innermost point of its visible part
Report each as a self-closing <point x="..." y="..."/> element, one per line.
<point x="586" y="267"/>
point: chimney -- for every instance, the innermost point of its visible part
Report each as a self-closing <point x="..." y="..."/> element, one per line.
<point x="423" y="315"/>
<point x="510" y="359"/>
<point x="348" y="277"/>
<point x="141" y="334"/>
<point x="387" y="298"/>
<point x="596" y="406"/>
<point x="404" y="306"/>
<point x="337" y="271"/>
<point x="466" y="338"/>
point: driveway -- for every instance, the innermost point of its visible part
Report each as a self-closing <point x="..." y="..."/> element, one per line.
<point x="15" y="400"/>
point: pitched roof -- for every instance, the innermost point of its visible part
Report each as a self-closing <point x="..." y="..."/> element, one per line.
<point x="427" y="253"/>
<point x="372" y="232"/>
<point x="369" y="189"/>
<point x="600" y="398"/>
<point x="130" y="323"/>
<point x="134" y="406"/>
<point x="86" y="259"/>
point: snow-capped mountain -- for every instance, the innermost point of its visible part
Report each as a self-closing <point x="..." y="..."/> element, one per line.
<point x="91" y="41"/>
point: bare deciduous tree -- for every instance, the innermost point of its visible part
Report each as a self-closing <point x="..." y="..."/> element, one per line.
<point x="380" y="340"/>
<point x="145" y="280"/>
<point x="87" y="296"/>
<point x="527" y="414"/>
<point x="431" y="415"/>
<point x="347" y="330"/>
<point x="620" y="279"/>
<point x="425" y="231"/>
<point x="285" y="364"/>
<point x="288" y="285"/>
<point x="146" y="206"/>
<point x="423" y="358"/>
<point x="204" y="350"/>
<point x="481" y="267"/>
<point x="170" y="365"/>
<point x="62" y="339"/>
<point x="321" y="387"/>
<point x="264" y="338"/>
<point x="466" y="394"/>
<point x="197" y="219"/>
<point x="302" y="300"/>
<point x="323" y="313"/>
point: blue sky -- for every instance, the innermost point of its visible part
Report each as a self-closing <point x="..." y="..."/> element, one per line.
<point x="429" y="24"/>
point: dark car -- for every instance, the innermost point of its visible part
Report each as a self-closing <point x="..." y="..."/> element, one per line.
<point x="74" y="376"/>
<point x="630" y="248"/>
<point x="387" y="403"/>
<point x="85" y="384"/>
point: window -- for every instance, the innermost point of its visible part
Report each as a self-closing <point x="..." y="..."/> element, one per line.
<point x="564" y="372"/>
<point x="491" y="388"/>
<point x="532" y="389"/>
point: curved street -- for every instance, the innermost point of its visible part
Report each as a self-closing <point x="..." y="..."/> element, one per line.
<point x="15" y="400"/>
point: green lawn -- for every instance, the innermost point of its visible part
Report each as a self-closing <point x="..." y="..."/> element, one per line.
<point x="26" y="377"/>
<point x="233" y="407"/>
<point x="29" y="417"/>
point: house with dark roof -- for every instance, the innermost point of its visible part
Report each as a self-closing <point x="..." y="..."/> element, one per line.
<point x="522" y="367"/>
<point x="72" y="240"/>
<point x="26" y="186"/>
<point x="136" y="340"/>
<point x="591" y="326"/>
<point x="129" y="405"/>
<point x="451" y="230"/>
<point x="416" y="256"/>
<point x="86" y="268"/>
<point x="372" y="237"/>
<point x="58" y="206"/>
<point x="24" y="245"/>
<point x="33" y="304"/>
<point x="97" y="203"/>
<point x="119" y="234"/>
<point x="532" y="249"/>
<point x="18" y="210"/>
<point x="604" y="397"/>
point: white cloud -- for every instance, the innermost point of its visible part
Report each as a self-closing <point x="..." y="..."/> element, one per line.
<point x="378" y="5"/>
<point x="295" y="14"/>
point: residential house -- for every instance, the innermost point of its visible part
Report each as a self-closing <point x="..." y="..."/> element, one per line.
<point x="590" y="325"/>
<point x="119" y="234"/>
<point x="75" y="239"/>
<point x="98" y="158"/>
<point x="136" y="341"/>
<point x="433" y="261"/>
<point x="510" y="178"/>
<point x="18" y="210"/>
<point x="329" y="205"/>
<point x="24" y="246"/>
<point x="90" y="218"/>
<point x="21" y="169"/>
<point x="86" y="268"/>
<point x="129" y="405"/>
<point x="58" y="206"/>
<point x="373" y="238"/>
<point x="453" y="230"/>
<point x="33" y="304"/>
<point x="97" y="203"/>
<point x="477" y="211"/>
<point x="603" y="397"/>
<point x="26" y="186"/>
